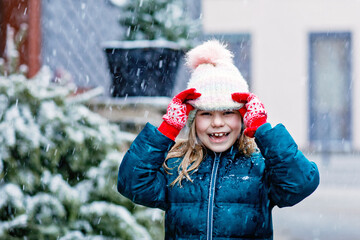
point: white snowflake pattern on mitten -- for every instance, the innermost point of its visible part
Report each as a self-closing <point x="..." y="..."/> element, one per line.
<point x="255" y="110"/>
<point x="176" y="114"/>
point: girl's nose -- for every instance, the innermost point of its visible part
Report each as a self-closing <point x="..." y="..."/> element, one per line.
<point x="217" y="120"/>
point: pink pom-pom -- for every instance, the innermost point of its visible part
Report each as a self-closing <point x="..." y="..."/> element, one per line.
<point x="210" y="52"/>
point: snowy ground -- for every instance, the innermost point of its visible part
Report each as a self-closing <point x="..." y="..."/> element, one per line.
<point x="332" y="212"/>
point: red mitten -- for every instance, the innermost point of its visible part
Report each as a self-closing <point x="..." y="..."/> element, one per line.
<point x="253" y="112"/>
<point x="177" y="113"/>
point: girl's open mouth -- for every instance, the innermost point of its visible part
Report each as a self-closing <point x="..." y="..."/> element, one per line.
<point x="218" y="137"/>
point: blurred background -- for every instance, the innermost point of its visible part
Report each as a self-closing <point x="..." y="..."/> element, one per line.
<point x="300" y="57"/>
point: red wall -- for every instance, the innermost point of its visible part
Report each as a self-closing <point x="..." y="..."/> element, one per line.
<point x="14" y="13"/>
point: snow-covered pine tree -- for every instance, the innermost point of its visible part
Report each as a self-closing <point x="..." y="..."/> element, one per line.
<point x="58" y="167"/>
<point x="158" y="20"/>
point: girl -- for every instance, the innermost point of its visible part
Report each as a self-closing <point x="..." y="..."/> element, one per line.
<point x="223" y="181"/>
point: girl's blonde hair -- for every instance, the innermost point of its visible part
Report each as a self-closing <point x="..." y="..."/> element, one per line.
<point x="193" y="153"/>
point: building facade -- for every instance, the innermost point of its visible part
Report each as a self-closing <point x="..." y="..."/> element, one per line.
<point x="303" y="64"/>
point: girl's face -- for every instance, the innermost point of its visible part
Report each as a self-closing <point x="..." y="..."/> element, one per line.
<point x="218" y="130"/>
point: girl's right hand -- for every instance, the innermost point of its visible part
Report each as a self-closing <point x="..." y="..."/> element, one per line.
<point x="177" y="113"/>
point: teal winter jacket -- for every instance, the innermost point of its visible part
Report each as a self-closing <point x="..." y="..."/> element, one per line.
<point x="231" y="196"/>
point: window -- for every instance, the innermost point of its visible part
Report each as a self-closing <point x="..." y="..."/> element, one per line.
<point x="330" y="91"/>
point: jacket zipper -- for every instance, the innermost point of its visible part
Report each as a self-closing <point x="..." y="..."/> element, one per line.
<point x="211" y="197"/>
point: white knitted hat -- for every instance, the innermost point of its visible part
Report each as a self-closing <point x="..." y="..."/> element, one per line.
<point x="214" y="76"/>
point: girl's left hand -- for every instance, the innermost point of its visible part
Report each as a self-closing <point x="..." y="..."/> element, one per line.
<point x="253" y="112"/>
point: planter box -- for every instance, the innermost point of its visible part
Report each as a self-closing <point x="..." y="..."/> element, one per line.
<point x="142" y="68"/>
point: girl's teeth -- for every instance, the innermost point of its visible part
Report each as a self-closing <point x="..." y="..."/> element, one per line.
<point x="218" y="134"/>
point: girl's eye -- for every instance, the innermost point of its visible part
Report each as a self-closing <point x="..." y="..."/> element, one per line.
<point x="205" y="113"/>
<point x="229" y="112"/>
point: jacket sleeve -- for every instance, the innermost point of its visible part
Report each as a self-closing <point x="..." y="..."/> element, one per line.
<point x="291" y="176"/>
<point x="141" y="177"/>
